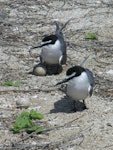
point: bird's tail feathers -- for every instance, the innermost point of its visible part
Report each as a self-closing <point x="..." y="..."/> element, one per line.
<point x="58" y="29"/>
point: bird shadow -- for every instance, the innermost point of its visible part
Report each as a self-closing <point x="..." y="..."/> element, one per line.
<point x="67" y="105"/>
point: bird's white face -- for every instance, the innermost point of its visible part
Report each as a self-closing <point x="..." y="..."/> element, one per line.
<point x="46" y="42"/>
<point x="82" y="78"/>
<point x="71" y="75"/>
<point x="52" y="47"/>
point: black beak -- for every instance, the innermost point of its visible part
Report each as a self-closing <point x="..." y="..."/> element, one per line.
<point x="36" y="47"/>
<point x="65" y="80"/>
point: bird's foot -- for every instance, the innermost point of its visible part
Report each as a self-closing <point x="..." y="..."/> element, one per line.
<point x="79" y="106"/>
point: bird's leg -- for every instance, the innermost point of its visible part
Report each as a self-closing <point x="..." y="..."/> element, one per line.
<point x="59" y="69"/>
<point x="74" y="104"/>
<point x="56" y="69"/>
<point x="83" y="101"/>
<point x="78" y="106"/>
<point x="84" y="104"/>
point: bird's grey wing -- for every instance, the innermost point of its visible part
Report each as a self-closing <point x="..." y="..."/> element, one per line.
<point x="59" y="35"/>
<point x="41" y="60"/>
<point x="63" y="48"/>
<point x="63" y="51"/>
<point x="91" y="80"/>
<point x="63" y="59"/>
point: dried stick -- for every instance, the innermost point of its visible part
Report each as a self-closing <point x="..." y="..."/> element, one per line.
<point x="30" y="90"/>
<point x="84" y="60"/>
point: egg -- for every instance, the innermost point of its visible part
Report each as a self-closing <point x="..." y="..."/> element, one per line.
<point x="39" y="70"/>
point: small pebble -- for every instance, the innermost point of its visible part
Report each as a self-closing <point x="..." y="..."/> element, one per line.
<point x="22" y="103"/>
<point x="109" y="124"/>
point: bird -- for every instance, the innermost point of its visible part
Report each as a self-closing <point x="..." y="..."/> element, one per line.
<point x="80" y="83"/>
<point x="54" y="47"/>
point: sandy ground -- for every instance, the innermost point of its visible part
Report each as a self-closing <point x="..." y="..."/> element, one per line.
<point x="23" y="24"/>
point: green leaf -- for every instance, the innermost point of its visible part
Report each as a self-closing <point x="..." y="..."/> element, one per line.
<point x="91" y="36"/>
<point x="35" y="115"/>
<point x="11" y="83"/>
<point x="34" y="128"/>
<point x="17" y="83"/>
<point x="15" y="128"/>
<point x="21" y="123"/>
<point x="25" y="114"/>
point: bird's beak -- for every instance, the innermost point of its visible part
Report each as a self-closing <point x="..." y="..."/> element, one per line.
<point x="65" y="80"/>
<point x="36" y="47"/>
<point x="31" y="48"/>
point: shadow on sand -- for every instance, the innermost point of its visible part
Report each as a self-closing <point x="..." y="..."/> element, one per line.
<point x="67" y="105"/>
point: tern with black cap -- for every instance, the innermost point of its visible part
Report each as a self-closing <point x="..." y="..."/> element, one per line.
<point x="54" y="47"/>
<point x="80" y="82"/>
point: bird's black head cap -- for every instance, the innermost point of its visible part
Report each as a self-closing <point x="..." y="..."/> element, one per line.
<point x="71" y="73"/>
<point x="51" y="39"/>
<point x="76" y="69"/>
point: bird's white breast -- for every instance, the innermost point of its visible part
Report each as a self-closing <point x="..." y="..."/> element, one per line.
<point x="78" y="87"/>
<point x="51" y="53"/>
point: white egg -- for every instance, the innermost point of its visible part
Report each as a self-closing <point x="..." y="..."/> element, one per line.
<point x="39" y="70"/>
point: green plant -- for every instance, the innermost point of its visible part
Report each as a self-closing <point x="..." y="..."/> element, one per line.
<point x="91" y="36"/>
<point x="34" y="115"/>
<point x="24" y="121"/>
<point x="10" y="83"/>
